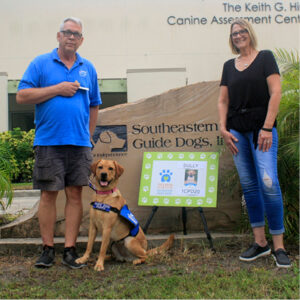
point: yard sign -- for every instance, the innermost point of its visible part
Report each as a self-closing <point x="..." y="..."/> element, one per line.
<point x="183" y="179"/>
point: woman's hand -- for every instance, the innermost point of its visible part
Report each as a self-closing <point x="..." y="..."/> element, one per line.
<point x="230" y="141"/>
<point x="264" y="140"/>
<point x="265" y="137"/>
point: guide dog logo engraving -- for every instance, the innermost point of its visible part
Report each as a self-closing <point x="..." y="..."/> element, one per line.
<point x="107" y="139"/>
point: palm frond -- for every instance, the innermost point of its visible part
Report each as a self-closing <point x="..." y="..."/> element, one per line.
<point x="287" y="61"/>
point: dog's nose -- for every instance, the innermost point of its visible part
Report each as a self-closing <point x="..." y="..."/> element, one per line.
<point x="103" y="176"/>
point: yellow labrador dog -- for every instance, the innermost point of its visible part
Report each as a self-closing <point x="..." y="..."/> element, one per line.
<point x="110" y="215"/>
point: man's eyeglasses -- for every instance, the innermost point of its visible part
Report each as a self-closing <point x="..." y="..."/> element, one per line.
<point x="241" y="32"/>
<point x="69" y="33"/>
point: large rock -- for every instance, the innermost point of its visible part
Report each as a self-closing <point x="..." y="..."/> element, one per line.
<point x="183" y="119"/>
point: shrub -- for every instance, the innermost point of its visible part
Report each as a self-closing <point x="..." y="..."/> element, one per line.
<point x="288" y="132"/>
<point x="5" y="183"/>
<point x="19" y="145"/>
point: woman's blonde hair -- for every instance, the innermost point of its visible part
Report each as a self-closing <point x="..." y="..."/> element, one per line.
<point x="245" y="24"/>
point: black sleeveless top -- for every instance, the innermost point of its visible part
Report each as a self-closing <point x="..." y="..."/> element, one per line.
<point x="248" y="93"/>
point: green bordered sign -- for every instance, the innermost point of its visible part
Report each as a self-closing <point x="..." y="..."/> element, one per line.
<point x="184" y="179"/>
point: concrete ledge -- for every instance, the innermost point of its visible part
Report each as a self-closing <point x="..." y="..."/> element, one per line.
<point x="17" y="242"/>
<point x="84" y="239"/>
<point x="32" y="246"/>
<point x="27" y="193"/>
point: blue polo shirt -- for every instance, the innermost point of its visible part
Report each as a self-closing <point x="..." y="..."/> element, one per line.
<point x="62" y="120"/>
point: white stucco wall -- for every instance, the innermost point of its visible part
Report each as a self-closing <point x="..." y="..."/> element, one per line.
<point x="135" y="34"/>
<point x="145" y="83"/>
<point x="4" y="102"/>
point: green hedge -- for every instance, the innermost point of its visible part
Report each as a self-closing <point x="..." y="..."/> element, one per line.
<point x="19" y="145"/>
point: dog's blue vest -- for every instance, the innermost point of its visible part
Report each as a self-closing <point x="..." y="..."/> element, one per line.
<point x="127" y="214"/>
<point x="124" y="213"/>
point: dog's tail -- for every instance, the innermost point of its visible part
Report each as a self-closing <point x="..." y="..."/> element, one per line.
<point x="164" y="247"/>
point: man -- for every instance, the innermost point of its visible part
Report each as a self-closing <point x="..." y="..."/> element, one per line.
<point x="64" y="88"/>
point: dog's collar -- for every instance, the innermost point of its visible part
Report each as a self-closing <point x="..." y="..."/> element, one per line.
<point x="105" y="192"/>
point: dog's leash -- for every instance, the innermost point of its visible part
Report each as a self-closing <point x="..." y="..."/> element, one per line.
<point x="92" y="186"/>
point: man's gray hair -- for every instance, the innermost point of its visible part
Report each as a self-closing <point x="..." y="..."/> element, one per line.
<point x="72" y="19"/>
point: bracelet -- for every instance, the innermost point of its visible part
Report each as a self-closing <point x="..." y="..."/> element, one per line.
<point x="267" y="129"/>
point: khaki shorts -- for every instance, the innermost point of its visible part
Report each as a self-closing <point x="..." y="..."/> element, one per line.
<point x="59" y="166"/>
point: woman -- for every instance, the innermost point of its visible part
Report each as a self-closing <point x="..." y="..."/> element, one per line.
<point x="249" y="98"/>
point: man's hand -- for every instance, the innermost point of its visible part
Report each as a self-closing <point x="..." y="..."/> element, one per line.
<point x="39" y="95"/>
<point x="68" y="89"/>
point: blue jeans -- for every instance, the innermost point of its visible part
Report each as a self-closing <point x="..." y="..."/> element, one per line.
<point x="259" y="180"/>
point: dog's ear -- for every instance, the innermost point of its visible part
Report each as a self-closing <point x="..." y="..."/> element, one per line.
<point x="94" y="166"/>
<point x="119" y="169"/>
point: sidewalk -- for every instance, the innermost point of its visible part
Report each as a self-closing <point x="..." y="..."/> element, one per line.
<point x="23" y="201"/>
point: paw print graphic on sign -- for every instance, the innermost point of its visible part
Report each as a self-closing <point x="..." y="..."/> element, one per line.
<point x="199" y="202"/>
<point x="170" y="155"/>
<point x="211" y="189"/>
<point x="188" y="201"/>
<point x="192" y="156"/>
<point x="155" y="200"/>
<point x="177" y="201"/>
<point x="166" y="201"/>
<point x="165" y="175"/>
<point x="209" y="200"/>
<point x="212" y="178"/>
<point x="212" y="167"/>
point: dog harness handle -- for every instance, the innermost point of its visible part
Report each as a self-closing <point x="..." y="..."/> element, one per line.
<point x="104" y="207"/>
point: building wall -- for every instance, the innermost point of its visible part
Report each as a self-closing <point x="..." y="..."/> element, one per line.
<point x="141" y="34"/>
<point x="145" y="83"/>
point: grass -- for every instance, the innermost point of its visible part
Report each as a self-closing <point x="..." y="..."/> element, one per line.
<point x="175" y="283"/>
<point x="22" y="186"/>
<point x="189" y="271"/>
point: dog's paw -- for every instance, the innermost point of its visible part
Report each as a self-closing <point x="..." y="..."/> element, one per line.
<point x="138" y="261"/>
<point x="99" y="267"/>
<point x="108" y="257"/>
<point x="81" y="260"/>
